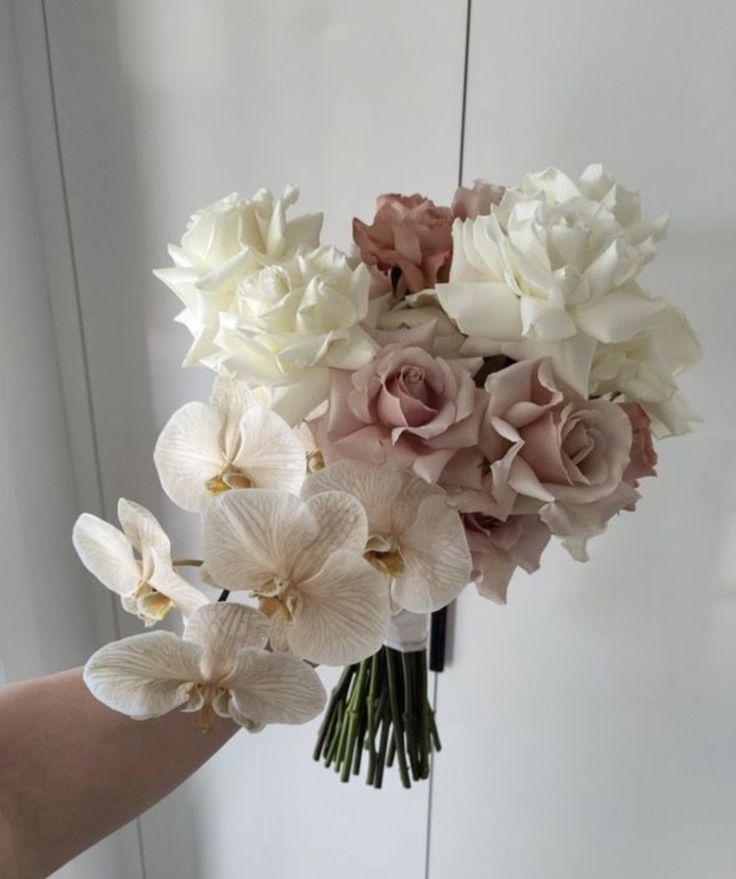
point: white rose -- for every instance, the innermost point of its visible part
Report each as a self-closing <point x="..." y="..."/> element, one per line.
<point x="292" y="321"/>
<point x="223" y="243"/>
<point x="551" y="272"/>
<point x="643" y="369"/>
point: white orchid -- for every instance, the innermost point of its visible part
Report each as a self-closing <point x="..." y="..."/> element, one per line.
<point x="223" y="243"/>
<point x="414" y="537"/>
<point x="135" y="563"/>
<point x="219" y="667"/>
<point x="304" y="562"/>
<point x="232" y="443"/>
<point x="552" y="272"/>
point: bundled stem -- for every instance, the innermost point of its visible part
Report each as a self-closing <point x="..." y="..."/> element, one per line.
<point x="380" y="706"/>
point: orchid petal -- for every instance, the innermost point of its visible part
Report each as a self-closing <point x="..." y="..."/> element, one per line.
<point x="342" y="522"/>
<point x="436" y="558"/>
<point x="145" y="675"/>
<point x="143" y="530"/>
<point x="342" y="612"/>
<point x="164" y="579"/>
<point x="106" y="553"/>
<point x="188" y="454"/>
<point x="254" y="535"/>
<point x="222" y="630"/>
<point x="375" y="488"/>
<point x="274" y="688"/>
<point x="270" y="453"/>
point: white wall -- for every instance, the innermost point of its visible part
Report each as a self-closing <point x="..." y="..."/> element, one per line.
<point x="590" y="726"/>
<point x="163" y="105"/>
<point x="51" y="614"/>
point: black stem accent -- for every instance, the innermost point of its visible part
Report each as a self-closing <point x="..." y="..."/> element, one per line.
<point x="224" y="595"/>
<point x="438" y="640"/>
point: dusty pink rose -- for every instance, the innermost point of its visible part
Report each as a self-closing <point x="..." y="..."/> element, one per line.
<point x="643" y="457"/>
<point x="477" y="200"/>
<point x="408" y="408"/>
<point x="498" y="548"/>
<point x="409" y="233"/>
<point x="563" y="456"/>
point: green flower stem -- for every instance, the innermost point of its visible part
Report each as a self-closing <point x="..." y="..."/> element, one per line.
<point x="355" y="710"/>
<point x="187" y="563"/>
<point x="426" y="745"/>
<point x="377" y="757"/>
<point x="433" y="730"/>
<point x="330" y="717"/>
<point x="393" y="697"/>
<point x="383" y="745"/>
<point x="372" y="705"/>
<point x="380" y="706"/>
<point x="331" y="751"/>
<point x="407" y="662"/>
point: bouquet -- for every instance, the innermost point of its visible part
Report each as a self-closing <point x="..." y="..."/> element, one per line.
<point x="385" y="428"/>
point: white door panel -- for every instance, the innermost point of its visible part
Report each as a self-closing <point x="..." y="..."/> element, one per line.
<point x="590" y="725"/>
<point x="164" y="106"/>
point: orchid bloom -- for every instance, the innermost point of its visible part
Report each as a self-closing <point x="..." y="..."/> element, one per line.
<point x="135" y="563"/>
<point x="304" y="562"/>
<point x="233" y="442"/>
<point x="415" y="538"/>
<point x="219" y="667"/>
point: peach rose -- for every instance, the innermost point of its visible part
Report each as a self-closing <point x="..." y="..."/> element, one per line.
<point x="409" y="235"/>
<point x="476" y="201"/>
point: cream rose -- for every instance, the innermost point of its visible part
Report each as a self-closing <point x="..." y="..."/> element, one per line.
<point x="223" y="243"/>
<point x="291" y="322"/>
<point x="552" y="272"/>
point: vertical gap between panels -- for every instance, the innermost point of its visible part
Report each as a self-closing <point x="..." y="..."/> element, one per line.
<point x="82" y="335"/>
<point x="460" y="171"/>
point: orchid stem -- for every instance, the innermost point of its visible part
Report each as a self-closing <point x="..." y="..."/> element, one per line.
<point x="187" y="563"/>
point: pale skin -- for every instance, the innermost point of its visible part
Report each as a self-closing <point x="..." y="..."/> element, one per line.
<point x="72" y="771"/>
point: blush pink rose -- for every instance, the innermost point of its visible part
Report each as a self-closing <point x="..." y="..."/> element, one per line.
<point x="408" y="408"/>
<point x="643" y="457"/>
<point x="563" y="456"/>
<point x="477" y="200"/>
<point x="410" y="234"/>
<point x="498" y="548"/>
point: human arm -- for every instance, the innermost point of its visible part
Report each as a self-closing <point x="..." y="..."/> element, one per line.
<point x="72" y="771"/>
